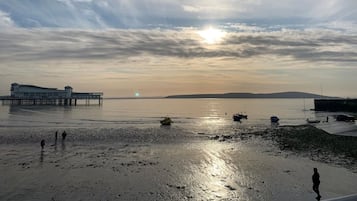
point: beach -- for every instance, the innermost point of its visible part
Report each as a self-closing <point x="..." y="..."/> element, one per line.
<point x="158" y="100"/>
<point x="160" y="164"/>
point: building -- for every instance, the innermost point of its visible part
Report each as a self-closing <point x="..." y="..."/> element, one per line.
<point x="334" y="105"/>
<point x="36" y="92"/>
<point x="35" y="95"/>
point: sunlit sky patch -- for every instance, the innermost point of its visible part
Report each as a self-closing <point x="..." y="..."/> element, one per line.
<point x="212" y="35"/>
<point x="175" y="47"/>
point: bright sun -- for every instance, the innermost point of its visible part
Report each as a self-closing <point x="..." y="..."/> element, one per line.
<point x="212" y="35"/>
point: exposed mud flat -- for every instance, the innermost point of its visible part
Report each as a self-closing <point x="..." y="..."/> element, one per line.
<point x="164" y="164"/>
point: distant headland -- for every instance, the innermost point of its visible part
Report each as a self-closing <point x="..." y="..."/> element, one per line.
<point x="253" y="95"/>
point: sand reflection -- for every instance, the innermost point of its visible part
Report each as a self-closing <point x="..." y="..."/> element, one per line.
<point x="212" y="124"/>
<point x="216" y="173"/>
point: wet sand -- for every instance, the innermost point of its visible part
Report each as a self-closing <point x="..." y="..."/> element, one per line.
<point x="191" y="168"/>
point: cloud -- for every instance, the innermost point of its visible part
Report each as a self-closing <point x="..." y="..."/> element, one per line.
<point x="44" y="44"/>
<point x="155" y="45"/>
<point x="5" y="20"/>
<point x="161" y="62"/>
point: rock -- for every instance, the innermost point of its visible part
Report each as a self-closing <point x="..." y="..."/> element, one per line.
<point x="215" y="137"/>
<point x="230" y="187"/>
<point x="226" y="136"/>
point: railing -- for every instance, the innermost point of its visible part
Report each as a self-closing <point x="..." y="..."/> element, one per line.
<point x="74" y="96"/>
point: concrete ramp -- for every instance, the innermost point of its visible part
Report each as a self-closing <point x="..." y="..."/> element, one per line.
<point x="339" y="128"/>
<point x="344" y="198"/>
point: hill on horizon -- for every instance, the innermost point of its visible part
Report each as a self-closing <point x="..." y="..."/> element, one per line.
<point x="253" y="95"/>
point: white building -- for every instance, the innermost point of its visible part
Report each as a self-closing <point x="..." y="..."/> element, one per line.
<point x="36" y="92"/>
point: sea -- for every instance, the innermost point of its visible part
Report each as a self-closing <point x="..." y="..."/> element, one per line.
<point x="204" y="116"/>
<point x="197" y="115"/>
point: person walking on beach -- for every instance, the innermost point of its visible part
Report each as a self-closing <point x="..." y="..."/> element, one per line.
<point x="64" y="135"/>
<point x="316" y="183"/>
<point x="42" y="144"/>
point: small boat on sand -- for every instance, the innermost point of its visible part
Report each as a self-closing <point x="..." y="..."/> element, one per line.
<point x="243" y="116"/>
<point x="166" y="121"/>
<point x="236" y="118"/>
<point x="312" y="121"/>
<point x="274" y="119"/>
<point x="239" y="116"/>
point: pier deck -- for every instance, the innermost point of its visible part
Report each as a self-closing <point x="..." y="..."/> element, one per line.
<point x="66" y="101"/>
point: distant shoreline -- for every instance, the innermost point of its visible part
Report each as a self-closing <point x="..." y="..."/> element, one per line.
<point x="279" y="95"/>
<point x="108" y="98"/>
<point x="253" y="95"/>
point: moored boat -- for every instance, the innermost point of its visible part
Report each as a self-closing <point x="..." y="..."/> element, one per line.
<point x="274" y="119"/>
<point x="243" y="116"/>
<point x="166" y="121"/>
<point x="239" y="116"/>
<point x="312" y="121"/>
<point x="236" y="118"/>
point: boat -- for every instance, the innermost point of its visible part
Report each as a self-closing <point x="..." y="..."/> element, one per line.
<point x="236" y="118"/>
<point x="274" y="119"/>
<point x="312" y="121"/>
<point x="239" y="116"/>
<point x="166" y="121"/>
<point x="243" y="116"/>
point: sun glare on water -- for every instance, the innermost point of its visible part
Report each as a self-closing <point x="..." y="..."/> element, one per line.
<point x="212" y="35"/>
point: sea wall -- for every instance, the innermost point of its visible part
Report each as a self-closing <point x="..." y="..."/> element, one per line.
<point x="348" y="105"/>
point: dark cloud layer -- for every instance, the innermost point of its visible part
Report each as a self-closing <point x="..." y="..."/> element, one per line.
<point x="35" y="45"/>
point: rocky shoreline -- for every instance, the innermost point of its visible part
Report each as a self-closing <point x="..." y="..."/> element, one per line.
<point x="307" y="141"/>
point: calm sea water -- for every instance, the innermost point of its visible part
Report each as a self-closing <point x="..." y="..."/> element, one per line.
<point x="194" y="114"/>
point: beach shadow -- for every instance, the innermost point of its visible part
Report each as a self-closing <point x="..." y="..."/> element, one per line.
<point x="41" y="156"/>
<point x="274" y="124"/>
<point x="54" y="146"/>
<point x="63" y="146"/>
<point x="167" y="127"/>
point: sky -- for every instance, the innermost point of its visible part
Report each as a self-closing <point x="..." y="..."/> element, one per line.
<point x="165" y="47"/>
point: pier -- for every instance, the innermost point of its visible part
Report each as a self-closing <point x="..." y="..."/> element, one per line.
<point x="73" y="101"/>
<point x="334" y="105"/>
<point x="35" y="95"/>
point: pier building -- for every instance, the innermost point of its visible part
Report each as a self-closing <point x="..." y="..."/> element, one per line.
<point x="22" y="94"/>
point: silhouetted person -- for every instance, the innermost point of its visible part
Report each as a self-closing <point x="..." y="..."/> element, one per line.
<point x="42" y="144"/>
<point x="327" y="119"/>
<point x="316" y="183"/>
<point x="64" y="135"/>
